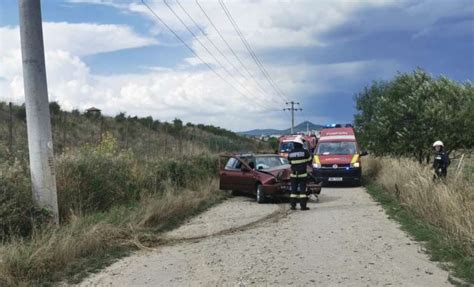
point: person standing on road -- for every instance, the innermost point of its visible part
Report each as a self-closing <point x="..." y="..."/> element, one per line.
<point x="299" y="159"/>
<point x="441" y="160"/>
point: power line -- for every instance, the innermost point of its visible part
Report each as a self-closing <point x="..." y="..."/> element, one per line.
<point x="192" y="51"/>
<point x="213" y="44"/>
<point x="209" y="39"/>
<point x="251" y="52"/>
<point x="231" y="50"/>
<point x="204" y="46"/>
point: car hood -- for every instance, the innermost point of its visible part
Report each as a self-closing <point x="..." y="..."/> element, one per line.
<point x="281" y="172"/>
<point x="335" y="158"/>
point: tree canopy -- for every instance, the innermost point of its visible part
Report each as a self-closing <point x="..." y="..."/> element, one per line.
<point x="406" y="115"/>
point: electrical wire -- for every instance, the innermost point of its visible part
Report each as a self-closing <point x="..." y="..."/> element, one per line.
<point x="194" y="53"/>
<point x="262" y="89"/>
<point x="204" y="46"/>
<point x="252" y="53"/>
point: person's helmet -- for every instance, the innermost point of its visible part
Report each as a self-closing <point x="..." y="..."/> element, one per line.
<point x="299" y="140"/>
<point x="438" y="143"/>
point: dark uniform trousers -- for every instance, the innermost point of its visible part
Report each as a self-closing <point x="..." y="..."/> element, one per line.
<point x="440" y="164"/>
<point x="299" y="159"/>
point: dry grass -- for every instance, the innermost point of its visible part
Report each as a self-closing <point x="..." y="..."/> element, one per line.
<point x="53" y="254"/>
<point x="448" y="205"/>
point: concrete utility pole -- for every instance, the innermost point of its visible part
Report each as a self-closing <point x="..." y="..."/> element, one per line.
<point x="38" y="119"/>
<point x="292" y="109"/>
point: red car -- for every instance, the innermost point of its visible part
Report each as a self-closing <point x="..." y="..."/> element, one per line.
<point x="264" y="175"/>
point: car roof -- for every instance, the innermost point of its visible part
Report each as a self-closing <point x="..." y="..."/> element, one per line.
<point x="257" y="155"/>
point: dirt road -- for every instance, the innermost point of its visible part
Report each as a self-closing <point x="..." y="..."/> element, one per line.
<point x="345" y="240"/>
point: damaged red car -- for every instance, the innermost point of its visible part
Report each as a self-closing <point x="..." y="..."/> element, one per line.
<point x="264" y="175"/>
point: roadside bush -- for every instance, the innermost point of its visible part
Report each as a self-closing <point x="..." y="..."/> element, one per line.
<point x="185" y="172"/>
<point x="18" y="213"/>
<point x="89" y="182"/>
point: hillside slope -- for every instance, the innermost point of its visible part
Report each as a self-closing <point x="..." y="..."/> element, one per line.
<point x="302" y="127"/>
<point x="144" y="136"/>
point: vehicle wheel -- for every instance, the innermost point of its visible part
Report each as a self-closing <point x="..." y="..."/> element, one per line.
<point x="260" y="194"/>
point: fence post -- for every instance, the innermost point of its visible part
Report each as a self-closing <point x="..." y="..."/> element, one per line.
<point x="10" y="128"/>
<point x="64" y="130"/>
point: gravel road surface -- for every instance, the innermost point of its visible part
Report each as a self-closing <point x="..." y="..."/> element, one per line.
<point x="344" y="240"/>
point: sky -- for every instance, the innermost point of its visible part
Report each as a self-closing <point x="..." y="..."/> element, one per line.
<point x="117" y="56"/>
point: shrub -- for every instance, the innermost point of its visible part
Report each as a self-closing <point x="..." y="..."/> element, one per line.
<point x="95" y="179"/>
<point x="18" y="213"/>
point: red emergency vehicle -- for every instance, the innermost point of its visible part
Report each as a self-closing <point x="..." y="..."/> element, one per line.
<point x="337" y="155"/>
<point x="285" y="143"/>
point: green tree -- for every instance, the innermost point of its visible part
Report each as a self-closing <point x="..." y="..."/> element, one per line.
<point x="121" y="117"/>
<point x="406" y="115"/>
<point x="178" y="125"/>
<point x="54" y="108"/>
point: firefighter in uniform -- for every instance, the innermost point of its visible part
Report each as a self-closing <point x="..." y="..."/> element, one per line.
<point x="441" y="160"/>
<point x="299" y="159"/>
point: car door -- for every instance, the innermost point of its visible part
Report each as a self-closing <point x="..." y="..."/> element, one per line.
<point x="229" y="176"/>
<point x="232" y="177"/>
<point x="248" y="177"/>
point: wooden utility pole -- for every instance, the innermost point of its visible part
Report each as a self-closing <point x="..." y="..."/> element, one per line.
<point x="40" y="143"/>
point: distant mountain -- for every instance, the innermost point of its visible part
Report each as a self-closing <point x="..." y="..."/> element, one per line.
<point x="299" y="128"/>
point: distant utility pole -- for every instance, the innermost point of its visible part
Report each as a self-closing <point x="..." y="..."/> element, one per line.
<point x="40" y="143"/>
<point x="292" y="109"/>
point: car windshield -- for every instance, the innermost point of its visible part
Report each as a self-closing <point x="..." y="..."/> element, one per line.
<point x="286" y="146"/>
<point x="268" y="162"/>
<point x="325" y="148"/>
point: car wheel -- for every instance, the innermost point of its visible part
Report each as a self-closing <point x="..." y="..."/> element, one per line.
<point x="260" y="194"/>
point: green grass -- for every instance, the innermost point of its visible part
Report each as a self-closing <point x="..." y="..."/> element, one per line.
<point x="436" y="242"/>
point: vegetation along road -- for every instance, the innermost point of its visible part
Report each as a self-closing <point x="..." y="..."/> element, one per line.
<point x="344" y="240"/>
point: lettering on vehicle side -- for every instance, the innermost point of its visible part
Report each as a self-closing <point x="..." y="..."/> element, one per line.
<point x="296" y="154"/>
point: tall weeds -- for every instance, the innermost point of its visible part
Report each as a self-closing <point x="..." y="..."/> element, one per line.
<point x="448" y="205"/>
<point x="50" y="255"/>
<point x="110" y="200"/>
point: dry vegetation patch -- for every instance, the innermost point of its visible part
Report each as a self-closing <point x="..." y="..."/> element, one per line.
<point x="445" y="207"/>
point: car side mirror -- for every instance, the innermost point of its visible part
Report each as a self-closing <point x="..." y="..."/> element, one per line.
<point x="245" y="168"/>
<point x="364" y="153"/>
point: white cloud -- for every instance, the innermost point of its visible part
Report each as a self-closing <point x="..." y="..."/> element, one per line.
<point x="193" y="95"/>
<point x="80" y="39"/>
<point x="199" y="95"/>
